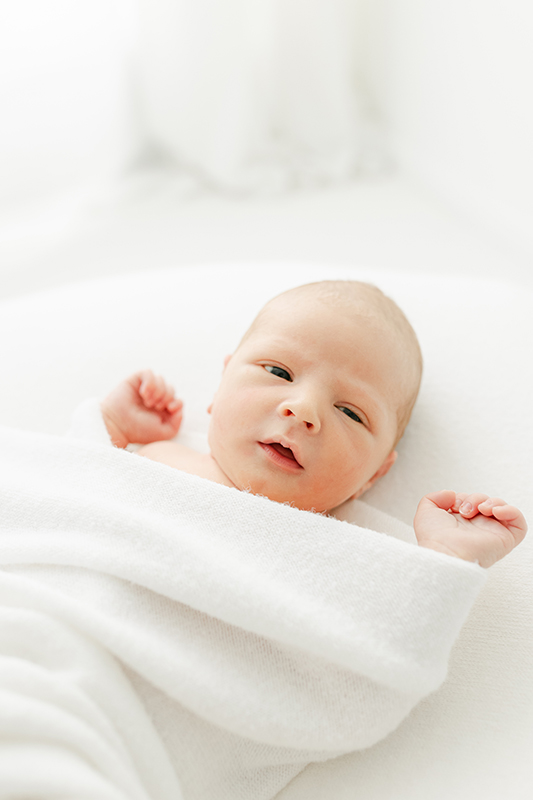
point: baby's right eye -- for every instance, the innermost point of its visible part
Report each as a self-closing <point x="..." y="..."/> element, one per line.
<point x="278" y="371"/>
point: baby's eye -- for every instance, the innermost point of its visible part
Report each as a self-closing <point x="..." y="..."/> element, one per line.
<point x="350" y="413"/>
<point x="278" y="371"/>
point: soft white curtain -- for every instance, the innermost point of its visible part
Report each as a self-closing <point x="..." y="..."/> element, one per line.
<point x="252" y="94"/>
<point x="65" y="116"/>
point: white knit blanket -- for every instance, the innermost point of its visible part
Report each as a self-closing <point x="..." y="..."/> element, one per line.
<point x="162" y="636"/>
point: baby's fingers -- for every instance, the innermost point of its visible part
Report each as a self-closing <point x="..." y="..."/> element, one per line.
<point x="512" y="518"/>
<point x="156" y="393"/>
<point x="470" y="504"/>
<point x="487" y="505"/>
<point x="150" y="393"/>
<point x="147" y="386"/>
<point x="163" y="396"/>
<point x="174" y="405"/>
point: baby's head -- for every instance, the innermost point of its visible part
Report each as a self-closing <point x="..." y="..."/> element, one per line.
<point x="314" y="400"/>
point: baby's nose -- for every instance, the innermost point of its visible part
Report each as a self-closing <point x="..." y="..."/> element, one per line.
<point x="303" y="411"/>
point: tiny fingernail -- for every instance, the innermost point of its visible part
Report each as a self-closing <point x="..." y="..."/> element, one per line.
<point x="466" y="508"/>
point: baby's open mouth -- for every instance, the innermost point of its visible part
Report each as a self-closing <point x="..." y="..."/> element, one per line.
<point x="284" y="452"/>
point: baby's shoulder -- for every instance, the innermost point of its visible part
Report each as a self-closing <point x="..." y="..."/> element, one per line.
<point x="176" y="455"/>
<point x="168" y="452"/>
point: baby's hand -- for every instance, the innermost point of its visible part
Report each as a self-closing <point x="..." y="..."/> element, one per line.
<point x="474" y="527"/>
<point x="142" y="409"/>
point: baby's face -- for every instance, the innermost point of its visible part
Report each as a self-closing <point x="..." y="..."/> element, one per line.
<point x="306" y="411"/>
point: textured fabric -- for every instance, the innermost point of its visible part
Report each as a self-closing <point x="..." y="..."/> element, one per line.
<point x="161" y="631"/>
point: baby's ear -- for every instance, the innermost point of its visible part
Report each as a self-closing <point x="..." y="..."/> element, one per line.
<point x="385" y="467"/>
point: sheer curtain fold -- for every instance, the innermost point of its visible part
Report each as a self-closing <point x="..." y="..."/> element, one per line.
<point x="65" y="113"/>
<point x="253" y="94"/>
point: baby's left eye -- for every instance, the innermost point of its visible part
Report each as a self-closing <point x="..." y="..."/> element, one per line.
<point x="350" y="413"/>
<point x="278" y="371"/>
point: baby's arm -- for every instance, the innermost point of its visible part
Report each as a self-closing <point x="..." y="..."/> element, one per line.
<point x="474" y="527"/>
<point x="142" y="409"/>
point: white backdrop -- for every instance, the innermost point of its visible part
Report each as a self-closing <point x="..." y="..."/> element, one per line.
<point x="252" y="93"/>
<point x="65" y="100"/>
<point x="454" y="82"/>
<point x="267" y="95"/>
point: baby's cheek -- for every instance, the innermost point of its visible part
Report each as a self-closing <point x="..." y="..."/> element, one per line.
<point x="221" y="438"/>
<point x="357" y="470"/>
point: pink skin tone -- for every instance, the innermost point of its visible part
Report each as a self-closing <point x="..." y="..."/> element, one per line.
<point x="474" y="527"/>
<point x="142" y="409"/>
<point x="294" y="382"/>
<point x="299" y="417"/>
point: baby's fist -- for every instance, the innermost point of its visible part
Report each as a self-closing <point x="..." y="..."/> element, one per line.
<point x="474" y="527"/>
<point x="142" y="409"/>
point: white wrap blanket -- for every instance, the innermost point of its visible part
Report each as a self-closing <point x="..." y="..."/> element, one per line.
<point x="162" y="636"/>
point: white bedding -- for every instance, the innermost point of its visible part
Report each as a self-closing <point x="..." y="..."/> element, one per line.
<point x="276" y="636"/>
<point x="471" y="430"/>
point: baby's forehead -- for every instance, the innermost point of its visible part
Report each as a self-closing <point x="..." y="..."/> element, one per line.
<point x="311" y="310"/>
<point x="309" y="298"/>
<point x="314" y="329"/>
<point x="314" y="305"/>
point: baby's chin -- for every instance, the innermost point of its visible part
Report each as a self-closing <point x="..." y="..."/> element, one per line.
<point x="301" y="503"/>
<point x="257" y="483"/>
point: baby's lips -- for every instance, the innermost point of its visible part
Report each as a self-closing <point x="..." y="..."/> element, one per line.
<point x="284" y="451"/>
<point x="291" y="449"/>
<point x="294" y="450"/>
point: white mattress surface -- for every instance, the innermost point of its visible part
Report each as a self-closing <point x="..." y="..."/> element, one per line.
<point x="153" y="219"/>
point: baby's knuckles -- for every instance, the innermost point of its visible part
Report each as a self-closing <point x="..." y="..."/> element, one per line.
<point x="475" y="534"/>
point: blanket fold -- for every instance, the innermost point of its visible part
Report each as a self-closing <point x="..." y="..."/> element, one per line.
<point x="139" y="605"/>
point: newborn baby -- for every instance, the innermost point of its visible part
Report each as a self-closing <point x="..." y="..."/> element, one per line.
<point x="309" y="411"/>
